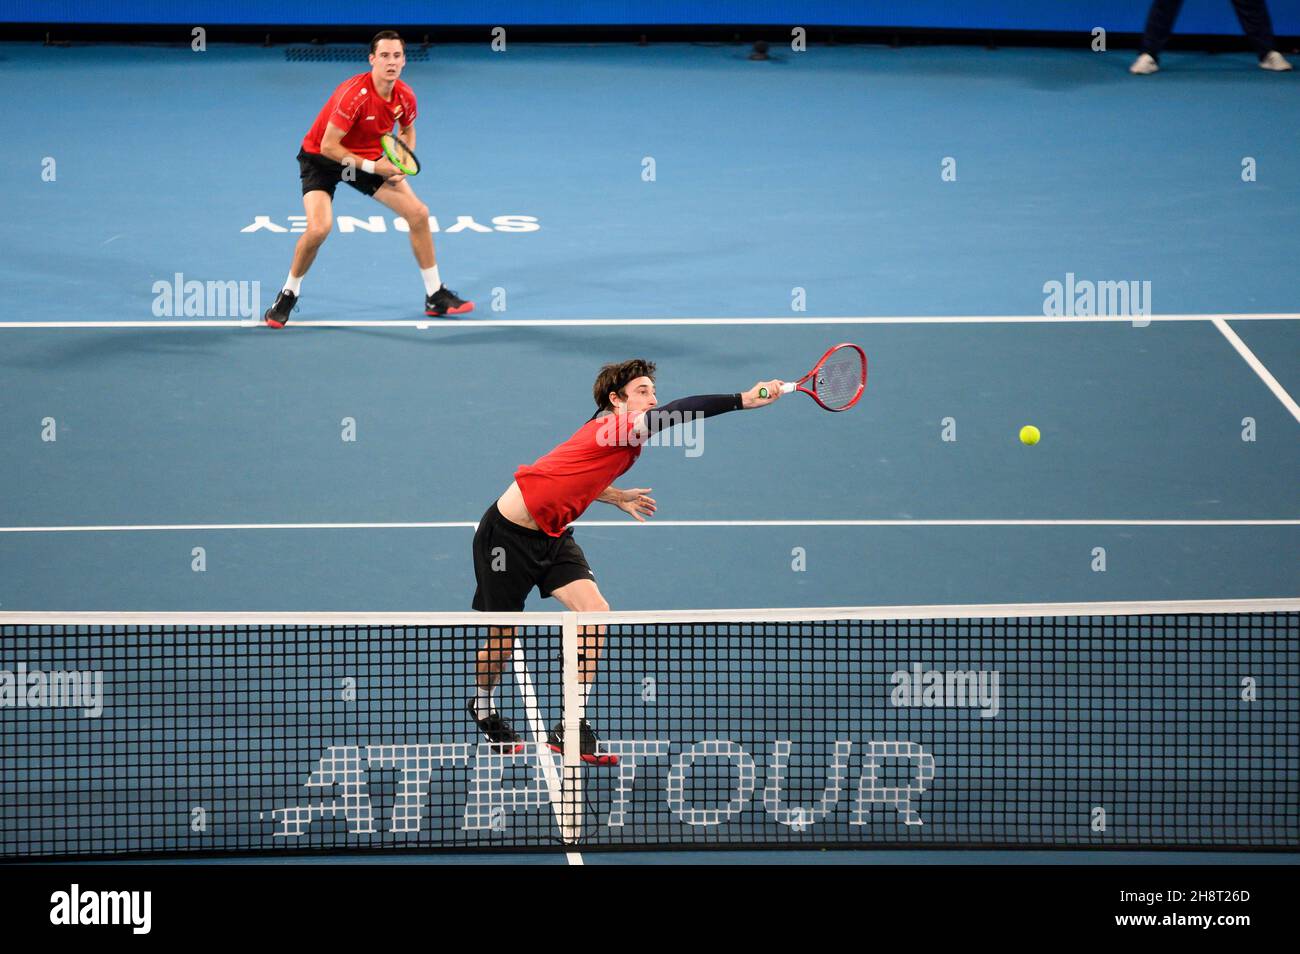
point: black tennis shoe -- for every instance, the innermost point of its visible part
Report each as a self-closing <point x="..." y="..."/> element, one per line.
<point x="446" y="302"/>
<point x="277" y="316"/>
<point x="589" y="743"/>
<point x="497" y="730"/>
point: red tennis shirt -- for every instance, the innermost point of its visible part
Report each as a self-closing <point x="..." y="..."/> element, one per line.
<point x="356" y="108"/>
<point x="563" y="484"/>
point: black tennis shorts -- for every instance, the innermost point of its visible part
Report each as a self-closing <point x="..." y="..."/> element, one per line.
<point x="509" y="560"/>
<point x="320" y="172"/>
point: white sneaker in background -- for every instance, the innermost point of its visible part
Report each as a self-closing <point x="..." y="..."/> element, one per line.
<point x="1146" y="63"/>
<point x="1274" y="61"/>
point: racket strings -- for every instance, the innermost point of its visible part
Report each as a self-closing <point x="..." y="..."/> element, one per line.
<point x="400" y="153"/>
<point x="839" y="379"/>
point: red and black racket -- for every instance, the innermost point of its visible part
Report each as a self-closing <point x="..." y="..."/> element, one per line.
<point x="836" y="382"/>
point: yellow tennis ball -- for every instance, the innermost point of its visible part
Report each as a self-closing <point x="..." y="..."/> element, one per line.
<point x="1029" y="435"/>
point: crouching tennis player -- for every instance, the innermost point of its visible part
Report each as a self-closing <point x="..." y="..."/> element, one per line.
<point x="524" y="539"/>
<point x="343" y="146"/>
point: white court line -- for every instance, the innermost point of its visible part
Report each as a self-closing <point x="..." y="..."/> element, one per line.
<point x="1258" y="367"/>
<point x="537" y="727"/>
<point x="468" y="525"/>
<point x="457" y="324"/>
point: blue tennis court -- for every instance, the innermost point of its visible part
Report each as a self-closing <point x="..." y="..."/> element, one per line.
<point x="727" y="219"/>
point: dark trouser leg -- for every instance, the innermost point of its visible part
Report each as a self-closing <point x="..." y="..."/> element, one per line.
<point x="1160" y="23"/>
<point x="1255" y="20"/>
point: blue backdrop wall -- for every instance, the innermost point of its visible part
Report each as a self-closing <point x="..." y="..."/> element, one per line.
<point x="1198" y="16"/>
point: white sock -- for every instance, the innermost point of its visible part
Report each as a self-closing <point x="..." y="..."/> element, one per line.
<point x="293" y="283"/>
<point x="483" y="705"/>
<point x="431" y="280"/>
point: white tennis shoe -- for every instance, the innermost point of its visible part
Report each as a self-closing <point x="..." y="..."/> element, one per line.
<point x="1143" y="65"/>
<point x="1275" y="61"/>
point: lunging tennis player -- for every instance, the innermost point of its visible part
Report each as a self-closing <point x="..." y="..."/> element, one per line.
<point x="343" y="146"/>
<point x="524" y="539"/>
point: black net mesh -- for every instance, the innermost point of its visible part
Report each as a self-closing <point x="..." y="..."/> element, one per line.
<point x="1083" y="731"/>
<point x="1172" y="731"/>
<point x="325" y="53"/>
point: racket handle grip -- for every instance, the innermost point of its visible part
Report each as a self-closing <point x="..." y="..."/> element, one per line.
<point x="785" y="389"/>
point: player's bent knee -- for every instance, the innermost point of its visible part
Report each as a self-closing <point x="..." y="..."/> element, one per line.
<point x="418" y="218"/>
<point x="317" y="233"/>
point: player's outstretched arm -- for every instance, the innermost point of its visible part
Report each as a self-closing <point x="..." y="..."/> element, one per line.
<point x="700" y="406"/>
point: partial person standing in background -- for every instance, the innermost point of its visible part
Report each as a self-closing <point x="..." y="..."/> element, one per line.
<point x="1254" y="18"/>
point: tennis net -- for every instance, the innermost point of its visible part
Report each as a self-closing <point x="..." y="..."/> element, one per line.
<point x="1160" y="725"/>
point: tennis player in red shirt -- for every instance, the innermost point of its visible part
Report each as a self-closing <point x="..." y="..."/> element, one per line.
<point x="343" y="146"/>
<point x="524" y="539"/>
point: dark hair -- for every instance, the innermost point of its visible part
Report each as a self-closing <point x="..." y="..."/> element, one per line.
<point x="615" y="377"/>
<point x="386" y="35"/>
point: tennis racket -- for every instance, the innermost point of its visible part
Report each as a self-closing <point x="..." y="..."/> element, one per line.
<point x="837" y="381"/>
<point x="399" y="154"/>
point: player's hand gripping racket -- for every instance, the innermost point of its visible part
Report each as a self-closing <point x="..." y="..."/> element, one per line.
<point x="836" y="382"/>
<point x="399" y="154"/>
